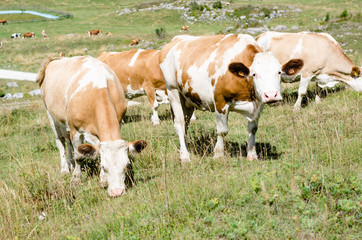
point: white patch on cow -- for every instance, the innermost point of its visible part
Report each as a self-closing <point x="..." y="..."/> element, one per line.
<point x="355" y="84"/>
<point x="250" y="110"/>
<point x="298" y="48"/>
<point x="161" y="96"/>
<point x="134" y="93"/>
<point x="134" y="58"/>
<point x="265" y="41"/>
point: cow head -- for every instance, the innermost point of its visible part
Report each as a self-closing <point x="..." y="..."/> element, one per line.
<point x="356" y="82"/>
<point x="265" y="72"/>
<point x="114" y="160"/>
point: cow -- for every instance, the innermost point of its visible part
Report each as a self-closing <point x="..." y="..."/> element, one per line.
<point x="44" y="34"/>
<point x="324" y="60"/>
<point x="61" y="54"/>
<point x="220" y="74"/>
<point x="185" y="28"/>
<point x="3" y="21"/>
<point x="16" y="35"/>
<point x="1" y="44"/>
<point x="85" y="105"/>
<point x="96" y="32"/>
<point x="28" y="35"/>
<point x="139" y="74"/>
<point x="108" y="34"/>
<point x="135" y="41"/>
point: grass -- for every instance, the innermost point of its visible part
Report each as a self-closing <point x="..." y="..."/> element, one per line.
<point x="306" y="185"/>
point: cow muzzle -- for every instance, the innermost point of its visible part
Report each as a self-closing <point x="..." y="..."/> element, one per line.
<point x="116" y="193"/>
<point x="272" y="98"/>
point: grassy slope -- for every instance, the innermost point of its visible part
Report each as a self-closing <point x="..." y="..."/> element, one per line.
<point x="307" y="185"/>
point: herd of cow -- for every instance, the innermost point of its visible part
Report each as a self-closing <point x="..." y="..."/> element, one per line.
<point x="85" y="97"/>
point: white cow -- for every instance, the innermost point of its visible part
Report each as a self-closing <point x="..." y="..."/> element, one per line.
<point x="220" y="73"/>
<point x="85" y="104"/>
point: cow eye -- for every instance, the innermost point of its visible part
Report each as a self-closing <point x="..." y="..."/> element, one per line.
<point x="279" y="72"/>
<point x="254" y="74"/>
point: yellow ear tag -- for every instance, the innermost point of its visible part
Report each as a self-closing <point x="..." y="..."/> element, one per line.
<point x="291" y="71"/>
<point x="241" y="74"/>
<point x="355" y="73"/>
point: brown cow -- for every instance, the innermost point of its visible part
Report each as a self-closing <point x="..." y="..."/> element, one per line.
<point x="85" y="105"/>
<point x="185" y="28"/>
<point x="135" y="41"/>
<point x="28" y="35"/>
<point x="139" y="73"/>
<point x="96" y="32"/>
<point x="3" y="21"/>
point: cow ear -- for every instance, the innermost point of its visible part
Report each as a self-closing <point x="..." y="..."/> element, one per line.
<point x="293" y="66"/>
<point x="356" y="72"/>
<point x="239" y="69"/>
<point x="88" y="151"/>
<point x="137" y="146"/>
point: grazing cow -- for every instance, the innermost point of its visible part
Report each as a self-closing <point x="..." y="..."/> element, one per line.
<point x="3" y="21"/>
<point x="28" y="35"/>
<point x="16" y="35"/>
<point x="61" y="54"/>
<point x="135" y="41"/>
<point x="96" y="32"/>
<point x="220" y="74"/>
<point x="44" y="34"/>
<point x="324" y="60"/>
<point x="185" y="28"/>
<point x="85" y="105"/>
<point x="139" y="73"/>
<point x="108" y="34"/>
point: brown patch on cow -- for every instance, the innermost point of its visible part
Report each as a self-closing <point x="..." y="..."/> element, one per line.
<point x="239" y="69"/>
<point x="87" y="150"/>
<point x="139" y="145"/>
<point x="249" y="54"/>
<point x="213" y="82"/>
<point x="293" y="66"/>
<point x="356" y="72"/>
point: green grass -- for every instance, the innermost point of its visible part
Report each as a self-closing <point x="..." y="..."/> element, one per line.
<point x="20" y="17"/>
<point x="306" y="185"/>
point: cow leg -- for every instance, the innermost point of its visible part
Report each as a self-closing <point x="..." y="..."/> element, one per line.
<point x="151" y="95"/>
<point x="77" y="139"/>
<point x="222" y="130"/>
<point x="251" y="150"/>
<point x="303" y="87"/>
<point x="177" y="102"/>
<point x="60" y="142"/>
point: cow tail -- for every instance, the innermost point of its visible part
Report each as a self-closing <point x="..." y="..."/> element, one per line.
<point x="41" y="74"/>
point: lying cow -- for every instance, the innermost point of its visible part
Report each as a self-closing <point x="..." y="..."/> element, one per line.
<point x="139" y="74"/>
<point x="3" y="21"/>
<point x="220" y="74"/>
<point x="85" y="103"/>
<point x="324" y="60"/>
<point x="28" y="35"/>
<point x="16" y="35"/>
<point x="135" y="41"/>
<point x="96" y="32"/>
<point x="185" y="28"/>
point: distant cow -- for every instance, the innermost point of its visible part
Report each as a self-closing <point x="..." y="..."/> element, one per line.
<point x="135" y="41"/>
<point x="16" y="35"/>
<point x="220" y="73"/>
<point x="1" y="44"/>
<point x="3" y="21"/>
<point x="96" y="32"/>
<point x="139" y="73"/>
<point x="185" y="28"/>
<point x="108" y="34"/>
<point x="61" y="54"/>
<point x="28" y="35"/>
<point x="44" y="34"/>
<point x="324" y="60"/>
<point x="85" y="105"/>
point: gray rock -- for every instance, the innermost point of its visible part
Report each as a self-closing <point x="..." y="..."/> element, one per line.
<point x="254" y="30"/>
<point x="12" y="84"/>
<point x="18" y="95"/>
<point x="297" y="10"/>
<point x="111" y="48"/>
<point x="35" y="92"/>
<point x="295" y="27"/>
<point x="228" y="29"/>
<point x="8" y="96"/>
<point x="280" y="28"/>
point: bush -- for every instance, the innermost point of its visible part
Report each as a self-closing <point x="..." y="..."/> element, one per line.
<point x="327" y="18"/>
<point x="161" y="32"/>
<point x="217" y="5"/>
<point x="344" y="14"/>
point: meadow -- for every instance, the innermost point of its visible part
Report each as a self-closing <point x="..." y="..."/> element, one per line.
<point x="306" y="184"/>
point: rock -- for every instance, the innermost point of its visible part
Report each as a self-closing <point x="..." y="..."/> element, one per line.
<point x="12" y="84"/>
<point x="297" y="10"/>
<point x="35" y="92"/>
<point x="228" y="29"/>
<point x="111" y="48"/>
<point x="295" y="27"/>
<point x="8" y="96"/>
<point x="242" y="17"/>
<point x="18" y="95"/>
<point x="254" y="31"/>
<point x="280" y="28"/>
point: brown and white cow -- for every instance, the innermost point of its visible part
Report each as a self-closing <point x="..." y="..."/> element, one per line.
<point x="96" y="32"/>
<point x="135" y="41"/>
<point x="220" y="74"/>
<point x="44" y="34"/>
<point x="28" y="35"/>
<point x="85" y="105"/>
<point x="139" y="73"/>
<point x="324" y="60"/>
<point x="3" y="21"/>
<point x="185" y="28"/>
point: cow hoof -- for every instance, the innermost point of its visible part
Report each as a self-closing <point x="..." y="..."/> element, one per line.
<point x="156" y="123"/>
<point x="296" y="108"/>
<point x="76" y="181"/>
<point x="218" y="155"/>
<point x="317" y="99"/>
<point x="184" y="160"/>
<point x="252" y="158"/>
<point x="64" y="172"/>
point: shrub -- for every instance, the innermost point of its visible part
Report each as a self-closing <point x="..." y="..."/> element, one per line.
<point x="161" y="32"/>
<point x="327" y="18"/>
<point x="217" y="5"/>
<point x="344" y="14"/>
